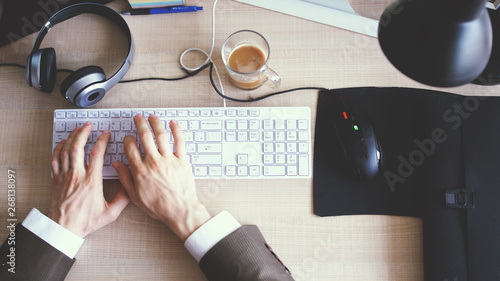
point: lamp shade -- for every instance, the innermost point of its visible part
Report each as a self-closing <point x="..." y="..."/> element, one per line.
<point x="443" y="43"/>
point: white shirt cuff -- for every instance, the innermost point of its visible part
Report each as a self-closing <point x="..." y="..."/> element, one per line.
<point x="211" y="233"/>
<point x="51" y="232"/>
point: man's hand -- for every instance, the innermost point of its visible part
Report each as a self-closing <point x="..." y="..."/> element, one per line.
<point x="78" y="202"/>
<point x="162" y="183"/>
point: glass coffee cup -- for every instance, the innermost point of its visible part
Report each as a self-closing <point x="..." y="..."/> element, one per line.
<point x="246" y="55"/>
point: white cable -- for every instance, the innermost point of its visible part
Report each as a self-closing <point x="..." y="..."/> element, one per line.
<point x="209" y="56"/>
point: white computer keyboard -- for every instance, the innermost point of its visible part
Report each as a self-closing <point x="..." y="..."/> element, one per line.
<point x="236" y="142"/>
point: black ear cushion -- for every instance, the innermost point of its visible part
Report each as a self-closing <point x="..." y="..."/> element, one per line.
<point x="77" y="75"/>
<point x="47" y="70"/>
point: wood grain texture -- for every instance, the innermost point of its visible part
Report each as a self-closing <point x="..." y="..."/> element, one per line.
<point x="136" y="247"/>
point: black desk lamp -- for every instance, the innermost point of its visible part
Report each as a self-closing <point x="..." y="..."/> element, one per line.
<point x="441" y="43"/>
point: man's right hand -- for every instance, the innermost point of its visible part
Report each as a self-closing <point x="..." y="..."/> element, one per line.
<point x="162" y="183"/>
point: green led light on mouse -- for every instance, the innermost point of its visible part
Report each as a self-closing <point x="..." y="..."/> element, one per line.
<point x="356" y="127"/>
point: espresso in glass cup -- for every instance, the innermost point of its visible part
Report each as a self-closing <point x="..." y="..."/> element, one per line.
<point x="246" y="55"/>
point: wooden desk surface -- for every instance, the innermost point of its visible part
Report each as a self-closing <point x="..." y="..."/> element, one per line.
<point x="137" y="247"/>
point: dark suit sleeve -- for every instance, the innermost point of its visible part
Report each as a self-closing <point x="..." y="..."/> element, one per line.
<point x="243" y="255"/>
<point x="31" y="258"/>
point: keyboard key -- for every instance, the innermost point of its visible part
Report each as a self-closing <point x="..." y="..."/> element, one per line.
<point x="58" y="137"/>
<point x="253" y="124"/>
<point x="200" y="171"/>
<point x="254" y="170"/>
<point x="205" y="113"/>
<point x="274" y="170"/>
<point x="242" y="113"/>
<point x="194" y="113"/>
<point x="303" y="124"/>
<point x="199" y="136"/>
<point x="214" y="136"/>
<point x="107" y="160"/>
<point x="254" y="113"/>
<point x="126" y="125"/>
<point x="190" y="147"/>
<point x="242" y="125"/>
<point x="217" y="113"/>
<point x="194" y="125"/>
<point x="120" y="148"/>
<point x="280" y="136"/>
<point x="188" y="136"/>
<point x="111" y="148"/>
<point x="103" y="125"/>
<point x="291" y="136"/>
<point x="268" y="159"/>
<point x="115" y="158"/>
<point x="268" y="124"/>
<point x="60" y="126"/>
<point x="209" y="148"/>
<point x="206" y="159"/>
<point x="303" y="147"/>
<point x="268" y="147"/>
<point x="231" y="125"/>
<point x="160" y="113"/>
<point x="231" y="171"/>
<point x="242" y="159"/>
<point x="230" y="136"/>
<point x="242" y="171"/>
<point x="171" y="113"/>
<point x="70" y="126"/>
<point x="280" y="159"/>
<point x="291" y="170"/>
<point x="114" y="125"/>
<point x="280" y="147"/>
<point x="208" y="125"/>
<point x="231" y="112"/>
<point x="215" y="171"/>
<point x="279" y="124"/>
<point x="253" y="136"/>
<point x="183" y="124"/>
<point x="291" y="147"/>
<point x="242" y="136"/>
<point x="303" y="136"/>
<point x="95" y="125"/>
<point x="303" y="164"/>
<point x="268" y="135"/>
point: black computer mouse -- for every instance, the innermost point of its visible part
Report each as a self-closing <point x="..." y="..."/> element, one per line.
<point x="359" y="145"/>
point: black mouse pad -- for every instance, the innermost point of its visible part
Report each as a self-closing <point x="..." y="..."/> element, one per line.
<point x="436" y="145"/>
<point x="404" y="121"/>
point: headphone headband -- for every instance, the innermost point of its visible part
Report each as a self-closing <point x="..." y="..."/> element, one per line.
<point x="75" y="10"/>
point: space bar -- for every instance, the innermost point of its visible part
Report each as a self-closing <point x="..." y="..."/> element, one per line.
<point x="109" y="173"/>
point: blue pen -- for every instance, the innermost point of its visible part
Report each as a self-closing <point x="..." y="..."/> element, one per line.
<point x="167" y="10"/>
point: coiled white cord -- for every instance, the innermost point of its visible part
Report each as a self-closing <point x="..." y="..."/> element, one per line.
<point x="209" y="55"/>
